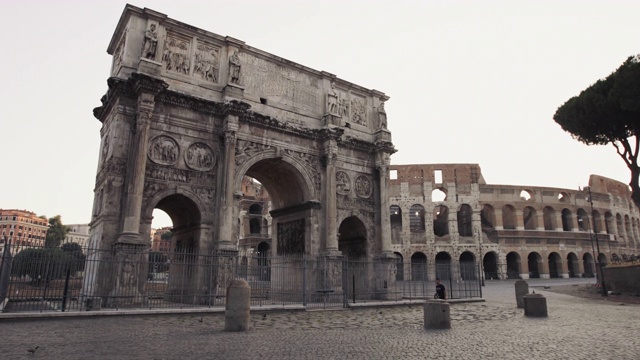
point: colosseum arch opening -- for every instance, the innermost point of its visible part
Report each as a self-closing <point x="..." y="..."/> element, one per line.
<point x="514" y="267"/>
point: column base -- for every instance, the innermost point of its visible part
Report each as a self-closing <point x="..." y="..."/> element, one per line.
<point x="132" y="238"/>
<point x="130" y="273"/>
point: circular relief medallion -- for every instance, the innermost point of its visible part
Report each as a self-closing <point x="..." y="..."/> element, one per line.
<point x="199" y="156"/>
<point x="343" y="183"/>
<point x="164" y="150"/>
<point x="363" y="186"/>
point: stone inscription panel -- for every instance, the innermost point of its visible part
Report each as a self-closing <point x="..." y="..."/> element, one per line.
<point x="264" y="78"/>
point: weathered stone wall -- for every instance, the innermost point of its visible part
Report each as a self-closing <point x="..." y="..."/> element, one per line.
<point x="624" y="279"/>
<point x="512" y="223"/>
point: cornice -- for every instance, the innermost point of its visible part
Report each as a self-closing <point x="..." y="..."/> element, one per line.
<point x="190" y="102"/>
<point x="310" y="204"/>
<point x="116" y="87"/>
<point x="141" y="83"/>
<point x="385" y="146"/>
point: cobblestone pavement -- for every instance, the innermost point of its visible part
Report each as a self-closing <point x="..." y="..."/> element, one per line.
<point x="577" y="328"/>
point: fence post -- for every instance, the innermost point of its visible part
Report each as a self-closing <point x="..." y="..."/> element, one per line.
<point x="5" y="272"/>
<point x="480" y="284"/>
<point x="66" y="289"/>
<point x="304" y="279"/>
<point x="345" y="283"/>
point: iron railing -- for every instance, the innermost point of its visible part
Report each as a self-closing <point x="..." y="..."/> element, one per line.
<point x="70" y="278"/>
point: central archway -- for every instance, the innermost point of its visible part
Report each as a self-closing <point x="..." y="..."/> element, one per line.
<point x="290" y="192"/>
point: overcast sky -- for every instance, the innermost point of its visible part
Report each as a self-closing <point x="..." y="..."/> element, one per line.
<point x="469" y="81"/>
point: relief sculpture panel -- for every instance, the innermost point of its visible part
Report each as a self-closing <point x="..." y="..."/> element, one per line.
<point x="291" y="237"/>
<point x="175" y="56"/>
<point x="164" y="150"/>
<point x="207" y="62"/>
<point x="246" y="149"/>
<point x="343" y="183"/>
<point x="167" y="174"/>
<point x="363" y="186"/>
<point x="199" y="156"/>
<point x="358" y="113"/>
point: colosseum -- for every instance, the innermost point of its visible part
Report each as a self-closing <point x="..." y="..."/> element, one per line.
<point x="448" y="214"/>
<point x="445" y="215"/>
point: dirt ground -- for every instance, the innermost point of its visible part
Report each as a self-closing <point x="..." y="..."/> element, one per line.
<point x="591" y="292"/>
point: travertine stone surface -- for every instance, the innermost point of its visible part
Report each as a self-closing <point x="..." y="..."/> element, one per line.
<point x="189" y="113"/>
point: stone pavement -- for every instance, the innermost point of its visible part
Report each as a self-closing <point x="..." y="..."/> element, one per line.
<point x="577" y="328"/>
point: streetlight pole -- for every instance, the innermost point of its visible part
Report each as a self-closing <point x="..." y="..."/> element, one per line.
<point x="599" y="264"/>
<point x="478" y="236"/>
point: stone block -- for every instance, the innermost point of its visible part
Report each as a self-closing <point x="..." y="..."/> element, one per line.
<point x="437" y="314"/>
<point x="237" y="311"/>
<point x="522" y="289"/>
<point x="535" y="305"/>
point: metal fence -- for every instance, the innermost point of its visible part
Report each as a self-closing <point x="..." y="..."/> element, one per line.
<point x="462" y="281"/>
<point x="76" y="279"/>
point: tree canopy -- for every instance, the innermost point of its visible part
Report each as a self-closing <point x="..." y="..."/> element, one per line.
<point x="56" y="232"/>
<point x="608" y="112"/>
<point x="166" y="236"/>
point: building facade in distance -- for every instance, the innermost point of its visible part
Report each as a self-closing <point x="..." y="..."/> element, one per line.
<point x="23" y="228"/>
<point x="78" y="233"/>
<point x="446" y="214"/>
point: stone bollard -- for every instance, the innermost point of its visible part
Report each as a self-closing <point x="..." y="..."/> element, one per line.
<point x="535" y="305"/>
<point x="237" y="310"/>
<point x="437" y="314"/>
<point x="522" y="289"/>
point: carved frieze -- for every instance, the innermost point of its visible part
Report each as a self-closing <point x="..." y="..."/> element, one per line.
<point x="207" y="62"/>
<point x="164" y="150"/>
<point x="189" y="102"/>
<point x="291" y="236"/>
<point x="105" y="147"/>
<point x="112" y="166"/>
<point x="152" y="188"/>
<point x="358" y="112"/>
<point x="343" y="183"/>
<point x="118" y="55"/>
<point x="167" y="174"/>
<point x="311" y="161"/>
<point x="246" y="149"/>
<point x="175" y="56"/>
<point x="199" y="156"/>
<point x="363" y="186"/>
<point x="199" y="178"/>
<point x="164" y="173"/>
<point x="205" y="194"/>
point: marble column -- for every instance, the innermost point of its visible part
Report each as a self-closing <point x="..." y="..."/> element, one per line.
<point x="227" y="201"/>
<point x="146" y="88"/>
<point x="129" y="248"/>
<point x="330" y="208"/>
<point x="385" y="212"/>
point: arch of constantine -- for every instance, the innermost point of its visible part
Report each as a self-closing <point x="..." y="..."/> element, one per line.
<point x="189" y="116"/>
